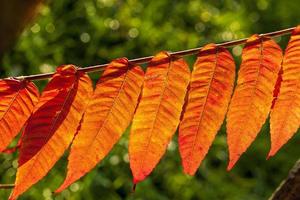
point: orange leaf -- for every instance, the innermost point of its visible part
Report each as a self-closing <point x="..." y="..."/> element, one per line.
<point x="285" y="116"/>
<point x="52" y="125"/>
<point x="158" y="113"/>
<point x="208" y="98"/>
<point x="17" y="99"/>
<point x="107" y="116"/>
<point x="252" y="98"/>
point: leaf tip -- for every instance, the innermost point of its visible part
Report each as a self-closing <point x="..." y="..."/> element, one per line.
<point x="135" y="180"/>
<point x="58" y="190"/>
<point x="67" y="182"/>
<point x="232" y="163"/>
<point x="189" y="171"/>
<point x="62" y="187"/>
<point x="272" y="152"/>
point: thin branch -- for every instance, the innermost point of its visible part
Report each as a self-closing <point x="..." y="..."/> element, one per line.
<point x="182" y="53"/>
<point x="7" y="186"/>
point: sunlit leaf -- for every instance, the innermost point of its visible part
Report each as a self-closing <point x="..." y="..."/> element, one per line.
<point x="208" y="97"/>
<point x="285" y="116"/>
<point x="17" y="100"/>
<point x="52" y="126"/>
<point x="158" y="113"/>
<point x="253" y="95"/>
<point x="107" y="116"/>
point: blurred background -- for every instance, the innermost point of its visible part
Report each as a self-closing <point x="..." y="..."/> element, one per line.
<point x="89" y="32"/>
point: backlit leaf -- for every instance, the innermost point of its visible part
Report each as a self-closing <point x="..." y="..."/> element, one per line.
<point x="252" y="98"/>
<point x="208" y="98"/>
<point x="107" y="116"/>
<point x="52" y="125"/>
<point x="17" y="99"/>
<point x="158" y="113"/>
<point x="285" y="116"/>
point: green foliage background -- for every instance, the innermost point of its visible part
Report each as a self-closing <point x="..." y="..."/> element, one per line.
<point x="88" y="32"/>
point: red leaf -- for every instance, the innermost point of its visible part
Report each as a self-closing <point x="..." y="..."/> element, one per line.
<point x="52" y="126"/>
<point x="17" y="100"/>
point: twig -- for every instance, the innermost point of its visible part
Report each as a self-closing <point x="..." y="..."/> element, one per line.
<point x="7" y="186"/>
<point x="143" y="60"/>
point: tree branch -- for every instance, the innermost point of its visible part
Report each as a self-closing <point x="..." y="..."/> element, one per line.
<point x="7" y="186"/>
<point x="289" y="189"/>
